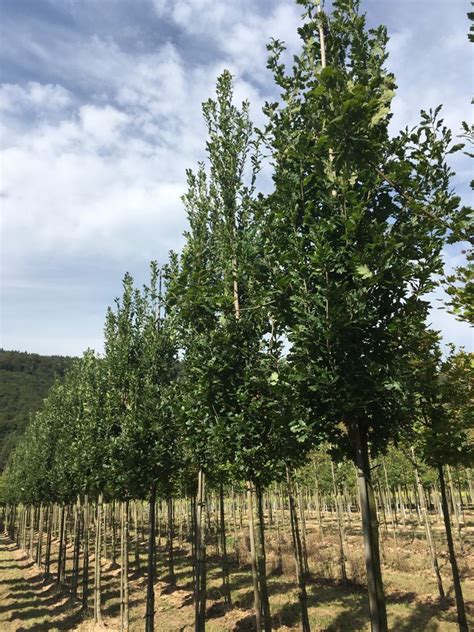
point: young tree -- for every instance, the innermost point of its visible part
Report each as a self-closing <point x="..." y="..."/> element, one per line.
<point x="355" y="229"/>
<point x="445" y="428"/>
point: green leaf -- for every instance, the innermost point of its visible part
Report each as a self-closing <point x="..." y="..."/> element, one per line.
<point x="274" y="378"/>
<point x="379" y="116"/>
<point x="364" y="272"/>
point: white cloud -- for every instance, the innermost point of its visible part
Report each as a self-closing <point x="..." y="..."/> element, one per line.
<point x="102" y="124"/>
<point x="42" y="97"/>
<point x="94" y="149"/>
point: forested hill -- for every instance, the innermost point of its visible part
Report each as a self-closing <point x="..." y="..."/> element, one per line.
<point x="25" y="378"/>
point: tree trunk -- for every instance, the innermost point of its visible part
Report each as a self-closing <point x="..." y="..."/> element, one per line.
<point x="262" y="562"/>
<point x="98" y="566"/>
<point x="200" y="588"/>
<point x="137" y="537"/>
<point x="462" y="621"/>
<point x="303" y="529"/>
<point x="47" y="559"/>
<point x="234" y="521"/>
<point x="298" y="553"/>
<point x="457" y="521"/>
<point x="340" y="526"/>
<point x="60" y="551"/>
<point x="77" y="548"/>
<point x="150" y="592"/>
<point x="39" y="547"/>
<point x="124" y="606"/>
<point x="225" y="561"/>
<point x="378" y="613"/>
<point x="170" y="541"/>
<point x="114" y="535"/>
<point x="429" y="535"/>
<point x="318" y="511"/>
<point x="32" y="532"/>
<point x="256" y="586"/>
<point x="85" y="568"/>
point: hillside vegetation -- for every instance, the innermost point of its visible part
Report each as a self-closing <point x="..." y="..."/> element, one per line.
<point x="25" y="379"/>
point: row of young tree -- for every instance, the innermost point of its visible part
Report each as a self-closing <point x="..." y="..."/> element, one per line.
<point x="313" y="517"/>
<point x="289" y="321"/>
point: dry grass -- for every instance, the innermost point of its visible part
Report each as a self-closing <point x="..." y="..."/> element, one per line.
<point x="28" y="602"/>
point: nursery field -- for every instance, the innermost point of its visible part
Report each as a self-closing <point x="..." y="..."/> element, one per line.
<point x="274" y="434"/>
<point x="31" y="601"/>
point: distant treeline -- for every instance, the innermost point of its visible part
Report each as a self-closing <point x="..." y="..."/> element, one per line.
<point x="25" y="379"/>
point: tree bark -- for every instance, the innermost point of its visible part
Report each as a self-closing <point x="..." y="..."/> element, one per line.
<point x="256" y="586"/>
<point x="378" y="613"/>
<point x="98" y="566"/>
<point x="150" y="593"/>
<point x="200" y="588"/>
<point x="77" y="545"/>
<point x="85" y="568"/>
<point x="262" y="562"/>
<point x="124" y="605"/>
<point x="429" y="535"/>
<point x="298" y="553"/>
<point x="47" y="558"/>
<point x="171" y="574"/>
<point x="39" y="547"/>
<point x="225" y="560"/>
<point x="340" y="526"/>
<point x="60" y="551"/>
<point x="461" y="610"/>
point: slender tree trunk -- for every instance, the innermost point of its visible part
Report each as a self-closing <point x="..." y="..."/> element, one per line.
<point x="85" y="562"/>
<point x="124" y="605"/>
<point x="77" y="548"/>
<point x="429" y="535"/>
<point x="47" y="559"/>
<point x="279" y="566"/>
<point x="378" y="613"/>
<point x="98" y="565"/>
<point x="303" y="529"/>
<point x="457" y="521"/>
<point x="193" y="540"/>
<point x="114" y="534"/>
<point x="340" y="526"/>
<point x="298" y="553"/>
<point x="150" y="593"/>
<point x="262" y="562"/>
<point x="137" y="537"/>
<point x="462" y="621"/>
<point x="171" y="575"/>
<point x="318" y="510"/>
<point x="61" y="547"/>
<point x="471" y="487"/>
<point x="32" y="532"/>
<point x="200" y="588"/>
<point x="225" y="561"/>
<point x="104" y="538"/>
<point x="234" y="521"/>
<point x="256" y="586"/>
<point x="39" y="547"/>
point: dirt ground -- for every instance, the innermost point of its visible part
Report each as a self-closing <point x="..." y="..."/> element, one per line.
<point x="28" y="601"/>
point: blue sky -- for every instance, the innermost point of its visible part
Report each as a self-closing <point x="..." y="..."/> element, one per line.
<point x="100" y="116"/>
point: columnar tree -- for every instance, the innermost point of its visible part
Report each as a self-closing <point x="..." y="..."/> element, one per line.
<point x="141" y="366"/>
<point x="355" y="230"/>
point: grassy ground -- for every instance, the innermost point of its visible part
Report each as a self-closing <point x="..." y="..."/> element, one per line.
<point x="29" y="602"/>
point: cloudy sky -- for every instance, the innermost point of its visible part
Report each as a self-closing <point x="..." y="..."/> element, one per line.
<point x="100" y="117"/>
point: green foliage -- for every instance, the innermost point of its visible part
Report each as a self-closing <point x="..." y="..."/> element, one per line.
<point x="355" y="228"/>
<point x="25" y="379"/>
<point x="460" y="288"/>
<point x="444" y="427"/>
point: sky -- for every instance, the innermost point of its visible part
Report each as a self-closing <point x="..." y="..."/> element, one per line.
<point x="100" y="116"/>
